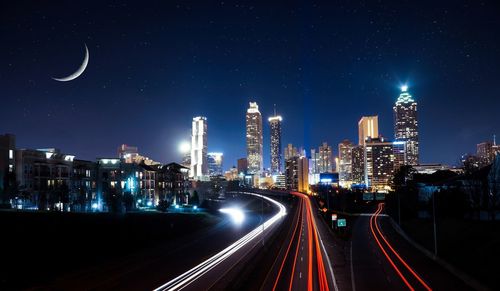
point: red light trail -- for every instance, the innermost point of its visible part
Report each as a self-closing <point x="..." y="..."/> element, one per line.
<point x="374" y="225"/>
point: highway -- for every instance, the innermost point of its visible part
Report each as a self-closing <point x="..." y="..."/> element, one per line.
<point x="194" y="262"/>
<point x="210" y="271"/>
<point x="382" y="259"/>
<point x="302" y="263"/>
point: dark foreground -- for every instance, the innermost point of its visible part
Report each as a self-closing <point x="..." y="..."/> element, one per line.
<point x="40" y="247"/>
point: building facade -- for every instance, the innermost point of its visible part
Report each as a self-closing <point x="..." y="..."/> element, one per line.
<point x="406" y="125"/>
<point x="242" y="166"/>
<point x="199" y="148"/>
<point x="7" y="162"/>
<point x="215" y="164"/>
<point x="291" y="151"/>
<point x="486" y="152"/>
<point x="128" y="153"/>
<point x="46" y="175"/>
<point x="379" y="163"/>
<point x="367" y="128"/>
<point x="297" y="174"/>
<point x="358" y="164"/>
<point x="254" y="139"/>
<point x="345" y="163"/>
<point x="276" y="155"/>
<point x="325" y="162"/>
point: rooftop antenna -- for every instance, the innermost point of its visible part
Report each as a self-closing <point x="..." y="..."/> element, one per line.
<point x="494" y="139"/>
<point x="274" y="109"/>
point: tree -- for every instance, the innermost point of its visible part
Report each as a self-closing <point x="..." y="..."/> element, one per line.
<point x="128" y="201"/>
<point x="10" y="187"/>
<point x="195" y="199"/>
<point x="402" y="176"/>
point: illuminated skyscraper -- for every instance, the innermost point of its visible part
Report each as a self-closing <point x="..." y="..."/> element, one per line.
<point x="345" y="162"/>
<point x="379" y="163"/>
<point x="367" y="127"/>
<point x="291" y="151"/>
<point x="297" y="174"/>
<point x="358" y="164"/>
<point x="199" y="165"/>
<point x="215" y="161"/>
<point x="406" y="124"/>
<point x="325" y="163"/>
<point x="254" y="139"/>
<point x="275" y="123"/>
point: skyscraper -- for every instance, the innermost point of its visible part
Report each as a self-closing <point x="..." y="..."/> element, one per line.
<point x="199" y="166"/>
<point x="325" y="158"/>
<point x="406" y="124"/>
<point x="275" y="123"/>
<point x="215" y="163"/>
<point x="242" y="166"/>
<point x="297" y="174"/>
<point x="367" y="127"/>
<point x="254" y="139"/>
<point x="358" y="164"/>
<point x="379" y="163"/>
<point x="291" y="151"/>
<point x="345" y="162"/>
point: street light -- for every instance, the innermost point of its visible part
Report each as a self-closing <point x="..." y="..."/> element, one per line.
<point x="184" y="147"/>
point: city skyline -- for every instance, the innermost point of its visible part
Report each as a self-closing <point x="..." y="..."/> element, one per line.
<point x="136" y="80"/>
<point x="249" y="145"/>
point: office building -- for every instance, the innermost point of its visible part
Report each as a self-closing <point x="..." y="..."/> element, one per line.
<point x="231" y="174"/>
<point x="279" y="181"/>
<point x="254" y="139"/>
<point x="325" y="162"/>
<point x="242" y="165"/>
<point x="199" y="166"/>
<point x="367" y="128"/>
<point x="486" y="151"/>
<point x="314" y="167"/>
<point x="379" y="163"/>
<point x="291" y="151"/>
<point x="297" y="174"/>
<point x="358" y="164"/>
<point x="345" y="163"/>
<point x="215" y="165"/>
<point x="399" y="152"/>
<point x="406" y="125"/>
<point x="276" y="156"/>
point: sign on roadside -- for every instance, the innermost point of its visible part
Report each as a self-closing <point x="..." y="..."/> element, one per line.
<point x="341" y="222"/>
<point x="334" y="216"/>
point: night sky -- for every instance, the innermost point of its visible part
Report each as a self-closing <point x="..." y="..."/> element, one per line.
<point x="154" y="66"/>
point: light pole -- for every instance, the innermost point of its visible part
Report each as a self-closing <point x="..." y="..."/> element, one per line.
<point x="262" y="215"/>
<point x="399" y="209"/>
<point x="434" y="221"/>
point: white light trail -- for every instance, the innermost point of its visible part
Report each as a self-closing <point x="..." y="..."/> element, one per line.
<point x="195" y="273"/>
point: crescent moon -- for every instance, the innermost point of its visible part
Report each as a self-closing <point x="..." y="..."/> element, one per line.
<point x="79" y="71"/>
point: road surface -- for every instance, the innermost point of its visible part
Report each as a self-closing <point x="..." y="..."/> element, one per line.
<point x="302" y="263"/>
<point x="165" y="267"/>
<point x="383" y="260"/>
